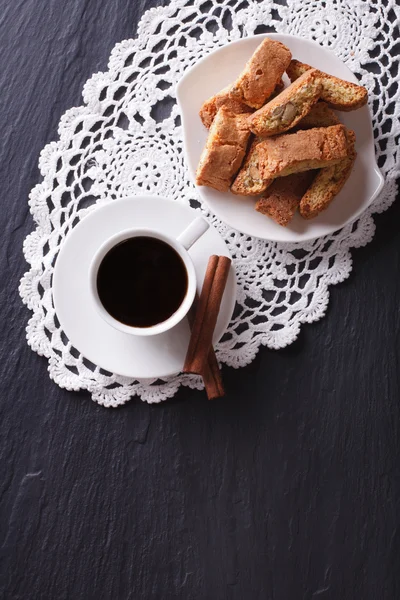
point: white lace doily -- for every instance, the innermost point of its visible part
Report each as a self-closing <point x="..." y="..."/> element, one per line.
<point x="126" y="139"/>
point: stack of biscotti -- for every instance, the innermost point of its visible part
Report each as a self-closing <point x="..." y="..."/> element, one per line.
<point x="284" y="143"/>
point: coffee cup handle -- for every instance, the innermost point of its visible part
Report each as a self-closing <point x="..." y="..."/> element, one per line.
<point x="193" y="232"/>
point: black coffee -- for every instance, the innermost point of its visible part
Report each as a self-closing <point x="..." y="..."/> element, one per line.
<point x="142" y="281"/>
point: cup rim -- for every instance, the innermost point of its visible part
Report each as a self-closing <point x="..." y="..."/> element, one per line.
<point x="181" y="311"/>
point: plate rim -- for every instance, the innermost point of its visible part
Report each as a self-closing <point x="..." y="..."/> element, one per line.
<point x="271" y="238"/>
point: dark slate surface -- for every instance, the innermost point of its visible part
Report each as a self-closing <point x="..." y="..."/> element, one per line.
<point x="288" y="489"/>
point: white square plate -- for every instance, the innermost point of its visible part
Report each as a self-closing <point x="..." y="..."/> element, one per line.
<point x="222" y="67"/>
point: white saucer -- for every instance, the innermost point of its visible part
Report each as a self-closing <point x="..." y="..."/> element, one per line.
<point x="132" y="356"/>
<point x="216" y="70"/>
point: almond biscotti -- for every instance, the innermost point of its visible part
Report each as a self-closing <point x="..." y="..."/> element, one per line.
<point x="328" y="183"/>
<point x="338" y="93"/>
<point x="211" y="106"/>
<point x="295" y="152"/>
<point x="224" y="151"/>
<point x="319" y="116"/>
<point x="262" y="73"/>
<point x="289" y="107"/>
<point x="248" y="181"/>
<point x="283" y="197"/>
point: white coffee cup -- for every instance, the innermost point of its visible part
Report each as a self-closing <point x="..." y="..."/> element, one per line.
<point x="181" y="245"/>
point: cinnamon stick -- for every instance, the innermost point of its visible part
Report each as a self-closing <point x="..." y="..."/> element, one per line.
<point x="206" y="315"/>
<point x="211" y="374"/>
<point x="212" y="377"/>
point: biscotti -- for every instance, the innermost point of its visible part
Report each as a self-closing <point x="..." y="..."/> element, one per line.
<point x="328" y="183"/>
<point x="224" y="151"/>
<point x="294" y="152"/>
<point x="338" y="93"/>
<point x="262" y="73"/>
<point x="248" y="181"/>
<point x="283" y="197"/>
<point x="289" y="107"/>
<point x="319" y="116"/>
<point x="211" y="106"/>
